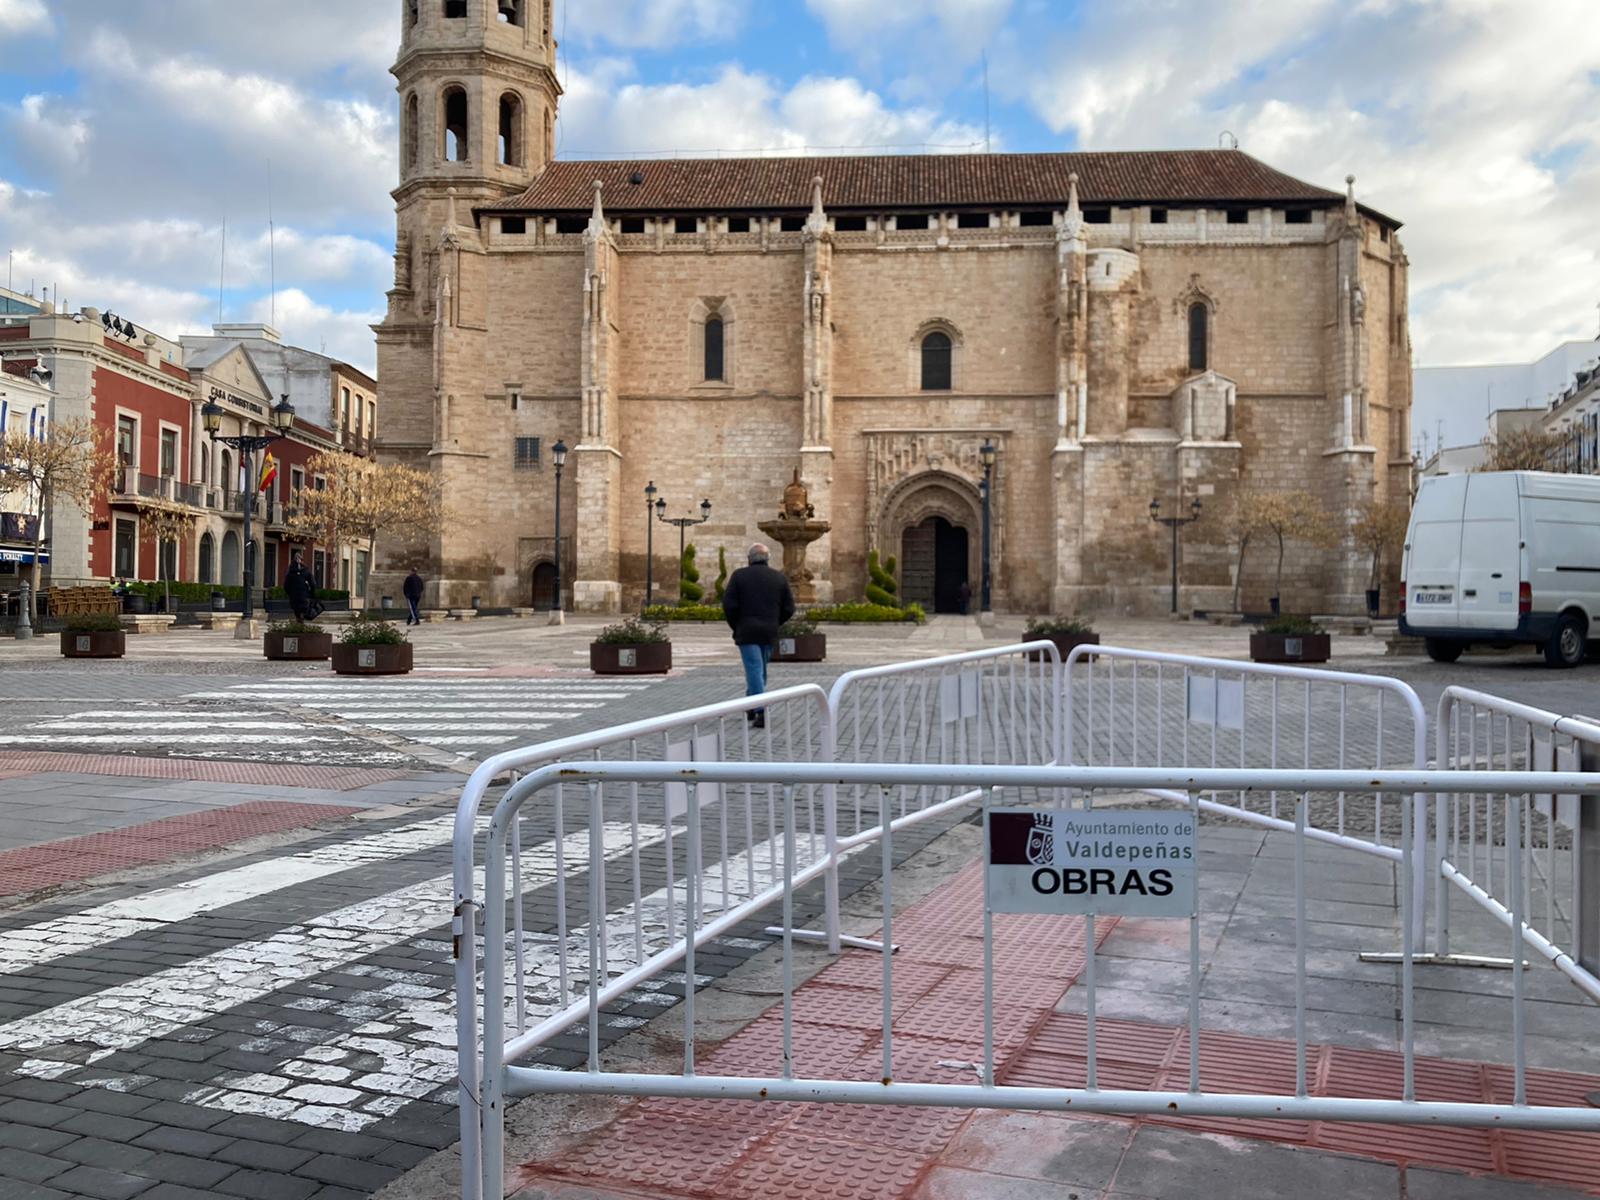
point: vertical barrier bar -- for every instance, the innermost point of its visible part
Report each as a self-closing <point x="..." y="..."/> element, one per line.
<point x="1408" y="941"/>
<point x="597" y="917"/>
<point x="1300" y="944"/>
<point x="518" y="984"/>
<point x="1586" y="867"/>
<point x="788" y="931"/>
<point x="1514" y="870"/>
<point x="888" y="934"/>
<point x="561" y="897"/>
<point x="988" y="957"/>
<point x="691" y="921"/>
<point x="1092" y="1080"/>
<point x="1194" y="969"/>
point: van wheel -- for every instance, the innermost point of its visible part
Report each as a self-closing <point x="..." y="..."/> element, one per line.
<point x="1444" y="649"/>
<point x="1567" y="644"/>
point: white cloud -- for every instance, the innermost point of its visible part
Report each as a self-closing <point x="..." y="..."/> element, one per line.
<point x="18" y="17"/>
<point x="739" y="111"/>
<point x="649" y="24"/>
<point x="47" y="128"/>
<point x="341" y="334"/>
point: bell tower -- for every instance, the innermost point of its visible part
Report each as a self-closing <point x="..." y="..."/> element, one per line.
<point x="478" y="97"/>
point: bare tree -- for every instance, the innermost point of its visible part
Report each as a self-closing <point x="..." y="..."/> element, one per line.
<point x="166" y="525"/>
<point x="363" y="500"/>
<point x="1530" y="449"/>
<point x="73" y="462"/>
<point x="1286" y="516"/>
<point x="1380" y="529"/>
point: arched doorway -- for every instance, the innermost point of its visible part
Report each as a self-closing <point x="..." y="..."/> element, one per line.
<point x="931" y="522"/>
<point x="934" y="555"/>
<point x="230" y="560"/>
<point x="544" y="586"/>
<point x="207" y="572"/>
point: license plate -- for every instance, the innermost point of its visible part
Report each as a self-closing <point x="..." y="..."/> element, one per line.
<point x="1434" y="597"/>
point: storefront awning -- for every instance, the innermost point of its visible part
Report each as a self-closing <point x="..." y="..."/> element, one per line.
<point x="11" y="554"/>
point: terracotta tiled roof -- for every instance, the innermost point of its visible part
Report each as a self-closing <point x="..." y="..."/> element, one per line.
<point x="915" y="181"/>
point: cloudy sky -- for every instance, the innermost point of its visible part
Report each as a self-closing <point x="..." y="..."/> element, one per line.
<point x="130" y="131"/>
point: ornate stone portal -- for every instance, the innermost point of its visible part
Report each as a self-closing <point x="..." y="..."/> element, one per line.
<point x="795" y="528"/>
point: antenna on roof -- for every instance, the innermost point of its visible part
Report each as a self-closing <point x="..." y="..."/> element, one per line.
<point x="272" y="257"/>
<point x="1226" y="140"/>
<point x="222" y="265"/>
<point x="986" y="102"/>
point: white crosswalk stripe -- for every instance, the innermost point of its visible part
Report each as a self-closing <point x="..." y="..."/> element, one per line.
<point x="468" y="717"/>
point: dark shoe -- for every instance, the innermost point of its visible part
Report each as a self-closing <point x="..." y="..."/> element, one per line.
<point x="758" y="719"/>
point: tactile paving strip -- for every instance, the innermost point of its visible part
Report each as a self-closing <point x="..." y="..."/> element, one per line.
<point x="66" y="861"/>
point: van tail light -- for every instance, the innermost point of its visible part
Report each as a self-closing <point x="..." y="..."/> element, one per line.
<point x="1524" y="599"/>
<point x="1402" y="597"/>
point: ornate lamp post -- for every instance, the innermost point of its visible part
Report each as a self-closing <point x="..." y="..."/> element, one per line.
<point x="986" y="453"/>
<point x="649" y="540"/>
<point x="682" y="523"/>
<point x="247" y="445"/>
<point x="558" y="455"/>
<point x="1174" y="524"/>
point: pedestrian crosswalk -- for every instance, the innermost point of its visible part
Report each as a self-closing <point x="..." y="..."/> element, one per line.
<point x="376" y="722"/>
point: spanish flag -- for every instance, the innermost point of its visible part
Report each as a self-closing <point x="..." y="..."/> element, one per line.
<point x="269" y="473"/>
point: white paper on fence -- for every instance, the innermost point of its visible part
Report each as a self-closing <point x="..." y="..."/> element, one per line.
<point x="705" y="748"/>
<point x="958" y="696"/>
<point x="1214" y="701"/>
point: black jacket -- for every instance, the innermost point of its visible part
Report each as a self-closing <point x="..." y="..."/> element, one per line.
<point x="756" y="601"/>
<point x="412" y="586"/>
<point x="299" y="584"/>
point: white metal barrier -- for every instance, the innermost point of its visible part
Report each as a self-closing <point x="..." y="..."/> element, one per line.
<point x="708" y="910"/>
<point x="645" y="818"/>
<point x="1529" y="858"/>
<point x="1144" y="708"/>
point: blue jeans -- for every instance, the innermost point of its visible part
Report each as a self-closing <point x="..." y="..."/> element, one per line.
<point x="755" y="659"/>
<point x="415" y="617"/>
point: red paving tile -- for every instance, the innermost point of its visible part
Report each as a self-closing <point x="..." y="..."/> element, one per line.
<point x="204" y="770"/>
<point x="71" y="859"/>
<point x="799" y="1152"/>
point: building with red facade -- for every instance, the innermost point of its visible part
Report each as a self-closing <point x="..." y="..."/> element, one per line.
<point x="146" y="391"/>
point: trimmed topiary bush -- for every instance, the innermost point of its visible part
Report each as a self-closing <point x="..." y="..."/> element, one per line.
<point x="689" y="589"/>
<point x="721" y="583"/>
<point x="882" y="589"/>
<point x="859" y="613"/>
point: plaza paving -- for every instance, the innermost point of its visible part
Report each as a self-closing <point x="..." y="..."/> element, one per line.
<point x="224" y="949"/>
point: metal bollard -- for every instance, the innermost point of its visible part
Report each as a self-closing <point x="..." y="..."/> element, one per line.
<point x="24" y="629"/>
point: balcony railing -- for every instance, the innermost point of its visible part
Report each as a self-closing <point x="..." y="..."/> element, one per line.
<point x="131" y="483"/>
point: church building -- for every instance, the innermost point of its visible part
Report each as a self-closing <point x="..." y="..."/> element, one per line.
<point x="1118" y="328"/>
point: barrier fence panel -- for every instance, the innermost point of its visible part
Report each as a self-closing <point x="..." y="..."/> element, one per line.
<point x="1000" y="705"/>
<point x="1530" y="859"/>
<point x="619" y="939"/>
<point x="655" y="880"/>
<point x="1144" y="708"/>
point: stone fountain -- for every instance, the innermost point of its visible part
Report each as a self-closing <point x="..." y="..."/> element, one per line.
<point x="795" y="528"/>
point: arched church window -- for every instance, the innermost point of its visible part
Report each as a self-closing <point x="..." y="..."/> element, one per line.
<point x="1197" y="336"/>
<point x="413" y="110"/>
<point x="936" y="362"/>
<point x="714" y="366"/>
<point x="455" y="125"/>
<point x="454" y="9"/>
<point x="510" y="140"/>
<point x="509" y="11"/>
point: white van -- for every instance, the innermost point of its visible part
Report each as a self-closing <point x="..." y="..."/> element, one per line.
<point x="1503" y="558"/>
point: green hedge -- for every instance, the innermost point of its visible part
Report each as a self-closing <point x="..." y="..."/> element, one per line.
<point x="684" y="612"/>
<point x="200" y="593"/>
<point x="860" y="612"/>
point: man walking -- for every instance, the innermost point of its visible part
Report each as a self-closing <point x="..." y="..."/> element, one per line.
<point x="413" y="592"/>
<point x="756" y="602"/>
<point x="300" y="587"/>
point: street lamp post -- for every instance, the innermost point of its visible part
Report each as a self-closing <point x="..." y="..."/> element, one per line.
<point x="1175" y="523"/>
<point x="986" y="452"/>
<point x="682" y="523"/>
<point x="247" y="445"/>
<point x="649" y="541"/>
<point x="558" y="455"/>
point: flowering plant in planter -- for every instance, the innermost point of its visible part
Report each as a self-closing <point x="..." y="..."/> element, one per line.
<point x="799" y="640"/>
<point x="1065" y="632"/>
<point x="93" y="635"/>
<point x="371" y="632"/>
<point x="368" y="647"/>
<point x="294" y="639"/>
<point x="1290" y="639"/>
<point x="92" y="623"/>
<point x="631" y="647"/>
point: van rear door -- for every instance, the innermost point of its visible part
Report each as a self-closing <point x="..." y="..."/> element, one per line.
<point x="1491" y="552"/>
<point x="1433" y="552"/>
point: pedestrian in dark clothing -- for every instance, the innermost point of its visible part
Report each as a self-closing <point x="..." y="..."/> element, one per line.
<point x="756" y="602"/>
<point x="964" y="596"/>
<point x="300" y="587"/>
<point x="413" y="593"/>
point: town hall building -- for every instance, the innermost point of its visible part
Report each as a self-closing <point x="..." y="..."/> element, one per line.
<point x="1118" y="327"/>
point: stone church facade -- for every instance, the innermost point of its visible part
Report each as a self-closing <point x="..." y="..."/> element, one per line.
<point x="1121" y="327"/>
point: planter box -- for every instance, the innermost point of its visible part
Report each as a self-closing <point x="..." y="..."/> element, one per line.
<point x="1064" y="643"/>
<point x="646" y="658"/>
<point x="372" y="660"/>
<point x="297" y="646"/>
<point x="110" y="643"/>
<point x="804" y="647"/>
<point x="1289" y="647"/>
